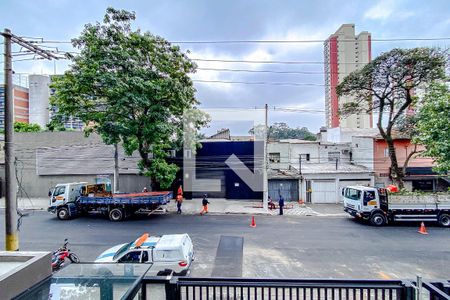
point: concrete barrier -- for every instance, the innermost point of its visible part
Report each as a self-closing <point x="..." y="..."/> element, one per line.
<point x="20" y="271"/>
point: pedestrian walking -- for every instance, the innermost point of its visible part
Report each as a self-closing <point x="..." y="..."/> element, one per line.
<point x="205" y="203"/>
<point x="281" y="204"/>
<point x="179" y="202"/>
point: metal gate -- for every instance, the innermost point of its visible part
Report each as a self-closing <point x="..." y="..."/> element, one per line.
<point x="288" y="188"/>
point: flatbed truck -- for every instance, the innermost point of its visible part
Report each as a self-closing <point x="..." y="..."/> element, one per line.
<point x="373" y="204"/>
<point x="70" y="200"/>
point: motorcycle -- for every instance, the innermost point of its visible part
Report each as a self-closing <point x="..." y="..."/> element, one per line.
<point x="59" y="257"/>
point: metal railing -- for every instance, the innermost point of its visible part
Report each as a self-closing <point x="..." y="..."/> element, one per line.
<point x="301" y="289"/>
<point x="184" y="288"/>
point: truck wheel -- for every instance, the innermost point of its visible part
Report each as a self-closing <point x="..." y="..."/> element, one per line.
<point x="444" y="220"/>
<point x="116" y="215"/>
<point x="63" y="213"/>
<point x="378" y="219"/>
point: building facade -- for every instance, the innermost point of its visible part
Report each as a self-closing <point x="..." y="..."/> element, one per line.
<point x="21" y="105"/>
<point x="372" y="152"/>
<point x="313" y="171"/>
<point x="344" y="52"/>
<point x="44" y="159"/>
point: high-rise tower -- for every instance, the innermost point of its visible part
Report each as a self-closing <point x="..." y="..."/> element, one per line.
<point x="344" y="52"/>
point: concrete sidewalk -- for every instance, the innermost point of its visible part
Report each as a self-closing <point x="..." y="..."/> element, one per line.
<point x="218" y="206"/>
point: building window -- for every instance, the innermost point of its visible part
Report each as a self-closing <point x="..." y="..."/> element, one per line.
<point x="332" y="156"/>
<point x="386" y="152"/>
<point x="274" y="157"/>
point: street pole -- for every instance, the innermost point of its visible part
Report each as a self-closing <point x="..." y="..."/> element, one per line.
<point x="265" y="165"/>
<point x="300" y="164"/>
<point x="300" y="174"/>
<point x="11" y="232"/>
<point x="116" y="169"/>
<point x="11" y="220"/>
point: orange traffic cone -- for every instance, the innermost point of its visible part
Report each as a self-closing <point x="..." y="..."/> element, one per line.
<point x="422" y="229"/>
<point x="253" y="223"/>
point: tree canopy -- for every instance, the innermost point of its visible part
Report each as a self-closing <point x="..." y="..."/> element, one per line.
<point x="130" y="87"/>
<point x="433" y="126"/>
<point x="281" y="131"/>
<point x="387" y="85"/>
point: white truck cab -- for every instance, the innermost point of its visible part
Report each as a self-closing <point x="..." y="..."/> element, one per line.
<point x="369" y="203"/>
<point x="64" y="193"/>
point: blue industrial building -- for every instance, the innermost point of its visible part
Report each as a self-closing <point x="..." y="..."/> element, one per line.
<point x="210" y="164"/>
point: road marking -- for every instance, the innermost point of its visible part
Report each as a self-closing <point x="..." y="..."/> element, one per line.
<point x="384" y="275"/>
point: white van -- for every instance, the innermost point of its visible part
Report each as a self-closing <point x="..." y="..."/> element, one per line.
<point x="168" y="254"/>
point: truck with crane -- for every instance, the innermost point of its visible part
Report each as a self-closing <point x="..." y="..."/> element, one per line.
<point x="70" y="200"/>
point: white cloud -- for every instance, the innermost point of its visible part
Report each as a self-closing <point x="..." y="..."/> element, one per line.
<point x="380" y="11"/>
<point x="385" y="9"/>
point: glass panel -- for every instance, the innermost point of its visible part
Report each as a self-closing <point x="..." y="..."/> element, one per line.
<point x="90" y="281"/>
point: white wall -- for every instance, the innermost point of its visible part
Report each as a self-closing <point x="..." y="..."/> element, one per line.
<point x="39" y="99"/>
<point x="363" y="152"/>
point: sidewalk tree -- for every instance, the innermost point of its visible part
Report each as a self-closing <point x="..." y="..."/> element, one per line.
<point x="386" y="86"/>
<point x="433" y="126"/>
<point x="130" y="87"/>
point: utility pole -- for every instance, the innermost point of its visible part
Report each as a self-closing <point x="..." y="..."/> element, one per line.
<point x="265" y="165"/>
<point x="11" y="230"/>
<point x="300" y="174"/>
<point x="300" y="164"/>
<point x="116" y="169"/>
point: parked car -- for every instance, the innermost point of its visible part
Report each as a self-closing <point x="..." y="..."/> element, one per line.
<point x="168" y="254"/>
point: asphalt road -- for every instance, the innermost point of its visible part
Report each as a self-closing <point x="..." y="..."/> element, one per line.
<point x="279" y="247"/>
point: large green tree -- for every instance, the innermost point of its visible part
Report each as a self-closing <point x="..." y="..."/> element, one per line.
<point x="386" y="86"/>
<point x="282" y="130"/>
<point x="131" y="87"/>
<point x="433" y="126"/>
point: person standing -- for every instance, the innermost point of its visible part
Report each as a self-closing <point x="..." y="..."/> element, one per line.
<point x="281" y="204"/>
<point x="205" y="203"/>
<point x="179" y="202"/>
<point x="179" y="199"/>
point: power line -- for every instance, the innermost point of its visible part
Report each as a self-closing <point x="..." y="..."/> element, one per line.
<point x="259" y="71"/>
<point x="400" y="39"/>
<point x="258" y="82"/>
<point x="258" y="61"/>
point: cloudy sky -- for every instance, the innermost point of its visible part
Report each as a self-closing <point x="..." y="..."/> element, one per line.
<point x="231" y="20"/>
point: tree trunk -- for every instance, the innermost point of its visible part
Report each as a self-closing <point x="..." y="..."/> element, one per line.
<point x="396" y="172"/>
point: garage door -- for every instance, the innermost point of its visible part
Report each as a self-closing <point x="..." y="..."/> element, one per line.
<point x="287" y="188"/>
<point x="323" y="191"/>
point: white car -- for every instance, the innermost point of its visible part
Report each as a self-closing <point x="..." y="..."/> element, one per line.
<point x="169" y="254"/>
